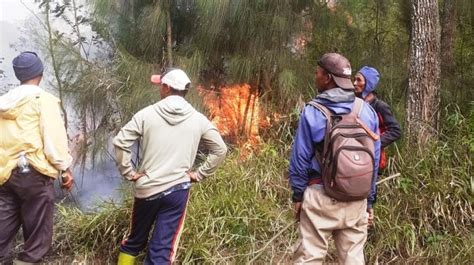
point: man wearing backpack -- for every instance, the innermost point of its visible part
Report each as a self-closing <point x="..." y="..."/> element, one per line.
<point x="333" y="169"/>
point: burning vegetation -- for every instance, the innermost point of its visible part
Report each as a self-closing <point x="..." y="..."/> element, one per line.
<point x="236" y="112"/>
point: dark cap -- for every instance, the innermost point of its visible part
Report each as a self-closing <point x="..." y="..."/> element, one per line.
<point x="339" y="68"/>
<point x="27" y="66"/>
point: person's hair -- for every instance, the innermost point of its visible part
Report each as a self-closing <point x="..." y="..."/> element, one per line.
<point x="318" y="63"/>
<point x="327" y="72"/>
<point x="177" y="92"/>
<point x="25" y="81"/>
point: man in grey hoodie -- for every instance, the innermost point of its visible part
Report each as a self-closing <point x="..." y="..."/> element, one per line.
<point x="169" y="133"/>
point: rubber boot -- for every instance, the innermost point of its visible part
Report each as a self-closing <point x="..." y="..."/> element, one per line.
<point x="126" y="259"/>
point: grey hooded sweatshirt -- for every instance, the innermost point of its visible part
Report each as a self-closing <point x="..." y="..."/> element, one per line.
<point x="169" y="133"/>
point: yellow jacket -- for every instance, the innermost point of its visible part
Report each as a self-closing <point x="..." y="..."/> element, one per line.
<point x="30" y="121"/>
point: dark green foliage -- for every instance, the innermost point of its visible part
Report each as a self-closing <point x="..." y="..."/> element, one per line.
<point x="458" y="88"/>
<point x="423" y="216"/>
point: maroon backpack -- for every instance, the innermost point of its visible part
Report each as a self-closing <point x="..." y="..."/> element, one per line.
<point x="347" y="158"/>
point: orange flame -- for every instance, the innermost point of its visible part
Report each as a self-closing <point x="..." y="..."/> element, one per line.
<point x="235" y="111"/>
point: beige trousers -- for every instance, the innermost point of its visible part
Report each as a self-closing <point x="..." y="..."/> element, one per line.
<point x="321" y="217"/>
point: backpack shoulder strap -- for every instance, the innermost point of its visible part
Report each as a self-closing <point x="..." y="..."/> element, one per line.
<point x="328" y="114"/>
<point x="324" y="110"/>
<point x="357" y="108"/>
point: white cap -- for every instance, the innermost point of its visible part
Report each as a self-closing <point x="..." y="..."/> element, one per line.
<point x="175" y="78"/>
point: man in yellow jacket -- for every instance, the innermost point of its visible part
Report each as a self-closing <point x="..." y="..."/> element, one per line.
<point x="33" y="152"/>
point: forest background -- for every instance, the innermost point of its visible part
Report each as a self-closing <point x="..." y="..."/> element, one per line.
<point x="252" y="64"/>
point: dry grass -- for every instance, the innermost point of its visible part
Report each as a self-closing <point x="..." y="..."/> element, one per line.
<point x="244" y="212"/>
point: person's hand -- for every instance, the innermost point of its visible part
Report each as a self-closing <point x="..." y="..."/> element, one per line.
<point x="67" y="180"/>
<point x="297" y="210"/>
<point x="370" y="211"/>
<point x="194" y="176"/>
<point x="136" y="176"/>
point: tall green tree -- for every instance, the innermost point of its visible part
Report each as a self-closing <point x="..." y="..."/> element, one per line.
<point x="142" y="28"/>
<point x="250" y="41"/>
<point x="219" y="41"/>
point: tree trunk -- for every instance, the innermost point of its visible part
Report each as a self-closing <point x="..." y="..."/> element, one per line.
<point x="424" y="75"/>
<point x="447" y="36"/>
<point x="169" y="34"/>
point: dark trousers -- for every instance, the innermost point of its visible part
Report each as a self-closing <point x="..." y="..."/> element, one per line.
<point x="27" y="200"/>
<point x="168" y="213"/>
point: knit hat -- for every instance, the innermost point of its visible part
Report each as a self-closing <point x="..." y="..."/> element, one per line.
<point x="372" y="78"/>
<point x="27" y="66"/>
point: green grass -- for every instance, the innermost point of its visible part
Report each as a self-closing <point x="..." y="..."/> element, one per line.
<point x="230" y="215"/>
<point x="234" y="214"/>
<point x="244" y="213"/>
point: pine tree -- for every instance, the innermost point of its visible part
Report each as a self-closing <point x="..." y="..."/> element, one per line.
<point x="423" y="106"/>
